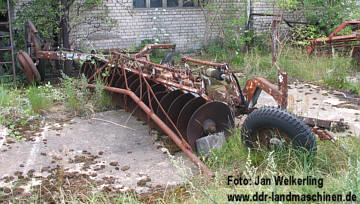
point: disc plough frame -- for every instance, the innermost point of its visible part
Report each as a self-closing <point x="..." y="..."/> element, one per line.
<point x="187" y="103"/>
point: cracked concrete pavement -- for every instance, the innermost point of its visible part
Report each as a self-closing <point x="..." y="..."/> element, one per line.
<point x="130" y="157"/>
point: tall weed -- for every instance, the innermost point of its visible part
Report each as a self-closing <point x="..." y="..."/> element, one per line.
<point x="38" y="99"/>
<point x="76" y="94"/>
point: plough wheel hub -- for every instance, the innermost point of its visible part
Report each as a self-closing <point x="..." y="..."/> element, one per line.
<point x="213" y="117"/>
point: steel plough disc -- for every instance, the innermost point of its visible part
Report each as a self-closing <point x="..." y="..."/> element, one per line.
<point x="120" y="83"/>
<point x="166" y="102"/>
<point x="26" y="67"/>
<point x="156" y="88"/>
<point x="186" y="112"/>
<point x="154" y="106"/>
<point x="113" y="84"/>
<point x="130" y="103"/>
<point x="116" y="77"/>
<point x="176" y="106"/>
<point x="97" y="65"/>
<point x="117" y="97"/>
<point x="130" y="79"/>
<point x="137" y="92"/>
<point x="159" y="96"/>
<point x="135" y="87"/>
<point x="30" y="69"/>
<point x="126" y="98"/>
<point x="112" y="77"/>
<point x="210" y="118"/>
<point x="90" y="70"/>
<point x="84" y="68"/>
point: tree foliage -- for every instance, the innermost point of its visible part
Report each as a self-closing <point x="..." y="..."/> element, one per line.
<point x="326" y="15"/>
<point x="227" y="21"/>
<point x="46" y="16"/>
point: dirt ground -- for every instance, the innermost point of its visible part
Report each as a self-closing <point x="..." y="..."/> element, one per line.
<point x="116" y="153"/>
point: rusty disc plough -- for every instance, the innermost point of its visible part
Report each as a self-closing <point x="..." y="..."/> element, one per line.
<point x="195" y="100"/>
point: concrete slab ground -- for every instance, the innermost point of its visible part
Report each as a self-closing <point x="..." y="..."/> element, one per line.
<point x="124" y="158"/>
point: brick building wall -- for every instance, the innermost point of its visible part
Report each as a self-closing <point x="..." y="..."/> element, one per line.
<point x="184" y="26"/>
<point x="262" y="24"/>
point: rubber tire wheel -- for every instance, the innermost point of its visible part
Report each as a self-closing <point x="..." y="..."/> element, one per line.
<point x="294" y="128"/>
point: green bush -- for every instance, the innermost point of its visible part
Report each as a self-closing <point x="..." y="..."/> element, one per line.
<point x="76" y="94"/>
<point x="101" y="98"/>
<point x="38" y="99"/>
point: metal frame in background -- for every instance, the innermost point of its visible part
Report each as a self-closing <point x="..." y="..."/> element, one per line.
<point x="11" y="45"/>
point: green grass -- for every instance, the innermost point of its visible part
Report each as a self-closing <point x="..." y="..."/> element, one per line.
<point x="100" y="98"/>
<point x="75" y="94"/>
<point x="4" y="96"/>
<point x="38" y="99"/>
<point x="322" y="70"/>
<point x="339" y="169"/>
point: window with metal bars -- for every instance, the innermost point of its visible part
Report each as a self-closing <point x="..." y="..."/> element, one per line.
<point x="165" y="3"/>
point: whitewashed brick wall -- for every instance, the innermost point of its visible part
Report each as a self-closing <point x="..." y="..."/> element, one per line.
<point x="183" y="26"/>
<point x="262" y="24"/>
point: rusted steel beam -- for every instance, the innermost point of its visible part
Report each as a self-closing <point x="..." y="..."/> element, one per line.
<point x="346" y="23"/>
<point x="150" y="47"/>
<point x="331" y="39"/>
<point x="101" y="68"/>
<point x="323" y="134"/>
<point x="168" y="82"/>
<point x="255" y="83"/>
<point x="162" y="125"/>
<point x="214" y="64"/>
<point x="67" y="55"/>
<point x="327" y="124"/>
<point x="337" y="38"/>
<point x="173" y="69"/>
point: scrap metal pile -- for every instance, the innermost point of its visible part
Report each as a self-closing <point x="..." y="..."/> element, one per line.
<point x="336" y="42"/>
<point x="195" y="100"/>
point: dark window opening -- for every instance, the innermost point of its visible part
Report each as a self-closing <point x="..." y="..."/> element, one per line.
<point x="188" y="3"/>
<point x="166" y="3"/>
<point x="172" y="3"/>
<point x="139" y="3"/>
<point x="155" y="3"/>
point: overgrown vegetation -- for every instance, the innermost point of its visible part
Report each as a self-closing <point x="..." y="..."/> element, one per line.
<point x="326" y="15"/>
<point x="336" y="164"/>
<point x="25" y="109"/>
<point x="47" y="17"/>
<point x="332" y="71"/>
<point x="39" y="97"/>
<point x="322" y="16"/>
<point x="229" y="20"/>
